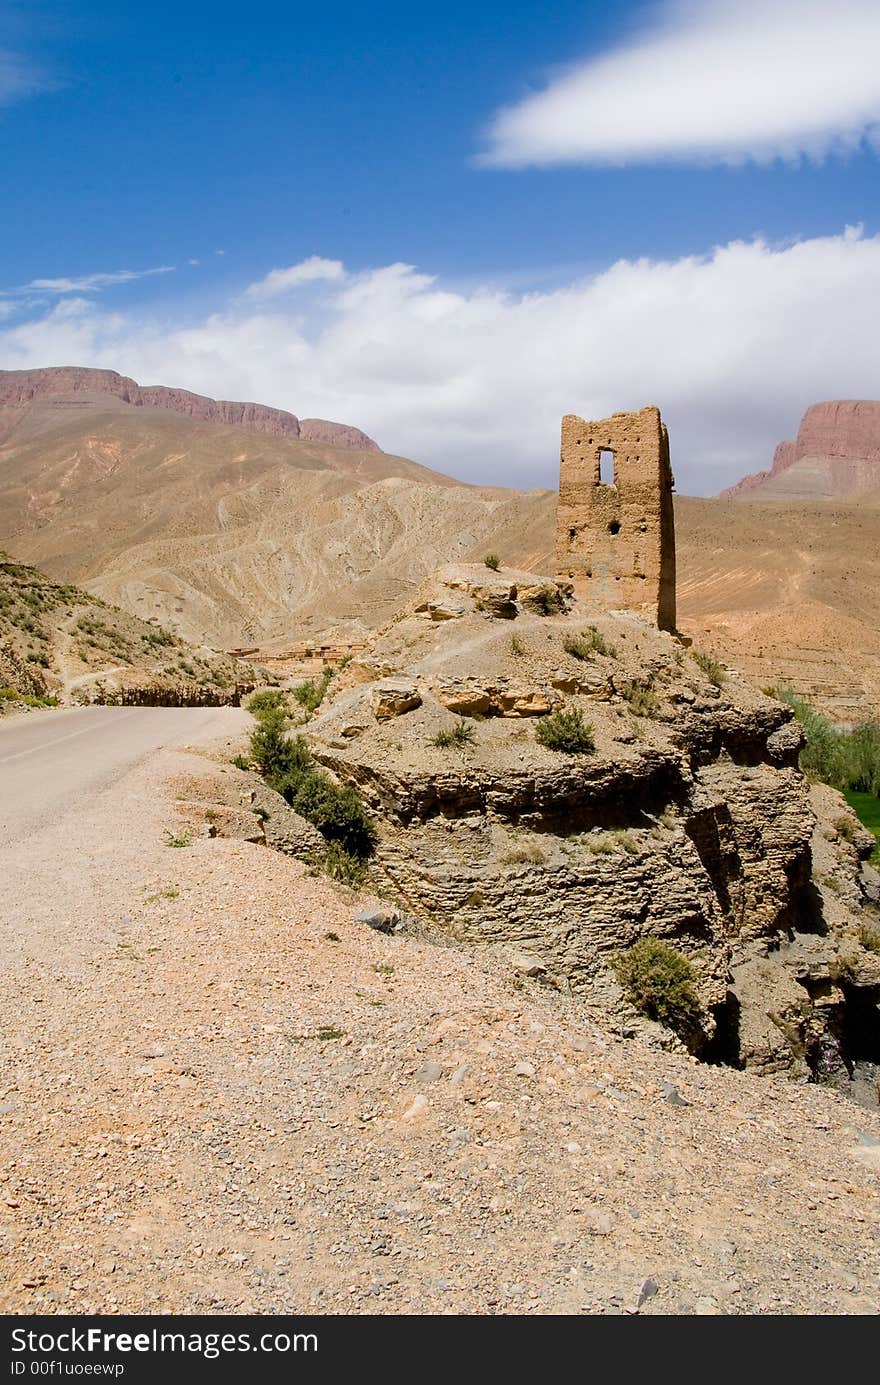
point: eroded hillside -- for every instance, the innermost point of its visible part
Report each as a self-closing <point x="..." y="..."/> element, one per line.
<point x="557" y="784"/>
<point x="57" y="641"/>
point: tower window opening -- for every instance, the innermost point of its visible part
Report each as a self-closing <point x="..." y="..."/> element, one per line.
<point x="606" y="466"/>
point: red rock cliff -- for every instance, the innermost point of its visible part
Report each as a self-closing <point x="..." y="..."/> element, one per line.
<point x="20" y="387"/>
<point x="841" y="430"/>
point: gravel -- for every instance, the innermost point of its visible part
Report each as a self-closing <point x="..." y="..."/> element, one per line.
<point x="208" y="1105"/>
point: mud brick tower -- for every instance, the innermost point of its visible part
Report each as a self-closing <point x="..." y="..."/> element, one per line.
<point x="615" y="527"/>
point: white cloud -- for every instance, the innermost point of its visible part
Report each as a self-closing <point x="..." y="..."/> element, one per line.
<point x="91" y="283"/>
<point x="732" y="346"/>
<point x="709" y="81"/>
<point x="19" y="78"/>
<point x="280" y="281"/>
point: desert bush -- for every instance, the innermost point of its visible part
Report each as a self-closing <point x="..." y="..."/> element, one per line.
<point x="158" y="638"/>
<point x="454" y="737"/>
<point x="642" y="701"/>
<point x="711" y="667"/>
<point x="268" y="700"/>
<point x="240" y="762"/>
<point x="271" y="747"/>
<point x="845" y="828"/>
<point x="587" y="643"/>
<point x="340" y="865"/>
<point x="517" y="646"/>
<point x="660" y="982"/>
<point x="546" y="601"/>
<point x="177" y="839"/>
<point x="566" y="730"/>
<point x="524" y="854"/>
<point x="492" y="561"/>
<point x="869" y="937"/>
<point x="337" y="811"/>
<point x="310" y="694"/>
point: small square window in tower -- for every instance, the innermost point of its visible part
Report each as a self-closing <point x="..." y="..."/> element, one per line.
<point x="606" y="467"/>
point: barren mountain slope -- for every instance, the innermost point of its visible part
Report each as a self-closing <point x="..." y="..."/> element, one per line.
<point x="789" y="592"/>
<point x="234" y="536"/>
<point x="238" y="538"/>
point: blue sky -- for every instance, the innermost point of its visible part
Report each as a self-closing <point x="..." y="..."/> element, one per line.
<point x="510" y="154"/>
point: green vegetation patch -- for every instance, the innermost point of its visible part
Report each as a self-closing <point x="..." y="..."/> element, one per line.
<point x="336" y="810"/>
<point x="711" y="667"/>
<point x="565" y="730"/>
<point x="310" y="694"/>
<point x="454" y="737"/>
<point x="866" y="807"/>
<point x="588" y="643"/>
<point x="660" y="982"/>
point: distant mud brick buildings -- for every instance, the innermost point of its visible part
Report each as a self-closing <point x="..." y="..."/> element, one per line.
<point x="615" y="527"/>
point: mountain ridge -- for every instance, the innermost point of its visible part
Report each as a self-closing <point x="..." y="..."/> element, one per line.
<point x="19" y="388"/>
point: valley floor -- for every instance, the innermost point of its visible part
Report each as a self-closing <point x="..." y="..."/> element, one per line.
<point x="222" y="1094"/>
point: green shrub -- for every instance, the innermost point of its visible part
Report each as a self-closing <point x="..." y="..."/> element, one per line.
<point x="660" y="982"/>
<point x="848" y="760"/>
<point x="642" y="701"/>
<point x="177" y="838"/>
<point x="340" y="865"/>
<point x="336" y="811"/>
<point x="588" y="643"/>
<point x="862" y="759"/>
<point x="565" y="729"/>
<point x="869" y="937"/>
<point x="287" y="766"/>
<point x="240" y="762"/>
<point x="157" y="638"/>
<point x="452" y="737"/>
<point x="517" y="646"/>
<point x="711" y="667"/>
<point x="271" y="747"/>
<point x="269" y="700"/>
<point x="546" y="601"/>
<point x="492" y="561"/>
<point x="310" y="694"/>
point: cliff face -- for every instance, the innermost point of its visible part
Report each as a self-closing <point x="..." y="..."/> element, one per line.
<point x="836" y="453"/>
<point x="688" y="822"/>
<point x="18" y="388"/>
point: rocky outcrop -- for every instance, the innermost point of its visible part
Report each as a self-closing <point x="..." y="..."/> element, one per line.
<point x="689" y="821"/>
<point x="336" y="434"/>
<point x="394" y="697"/>
<point x="836" y="454"/>
<point x="229" y="802"/>
<point x="21" y="387"/>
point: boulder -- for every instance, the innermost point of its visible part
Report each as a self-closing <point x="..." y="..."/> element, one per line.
<point x="444" y="610"/>
<point x="393" y="697"/>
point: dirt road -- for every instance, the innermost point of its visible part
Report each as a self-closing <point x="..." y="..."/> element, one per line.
<point x="51" y="764"/>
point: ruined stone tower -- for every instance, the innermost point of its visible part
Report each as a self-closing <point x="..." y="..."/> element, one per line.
<point x="615" y="529"/>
